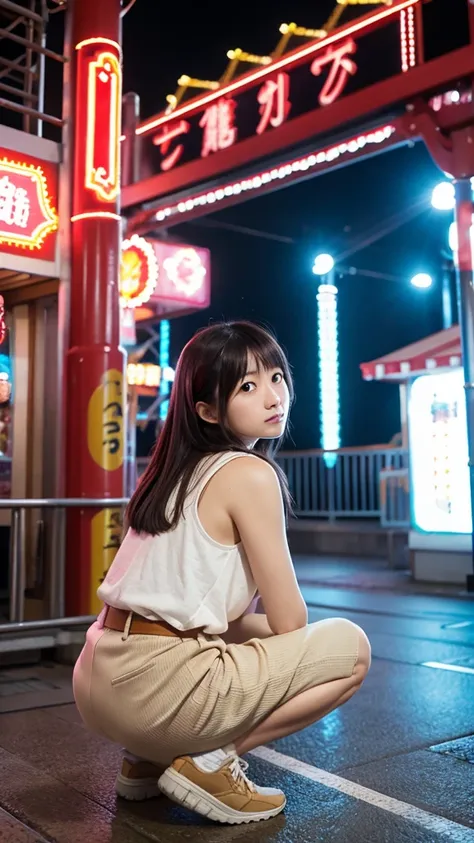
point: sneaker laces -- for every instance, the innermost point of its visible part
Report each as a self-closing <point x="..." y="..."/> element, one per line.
<point x="238" y="768"/>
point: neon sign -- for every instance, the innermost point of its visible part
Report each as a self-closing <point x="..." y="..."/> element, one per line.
<point x="102" y="173"/>
<point x="144" y="374"/>
<point x="286" y="88"/>
<point x="184" y="278"/>
<point x="138" y="271"/>
<point x="274" y="101"/>
<point x="186" y="271"/>
<point x="218" y="124"/>
<point x="27" y="213"/>
<point x="98" y="127"/>
<point x="340" y="68"/>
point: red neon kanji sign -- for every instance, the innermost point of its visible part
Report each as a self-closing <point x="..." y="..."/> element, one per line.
<point x="218" y="124"/>
<point x="341" y="67"/>
<point x="175" y="130"/>
<point x="274" y="100"/>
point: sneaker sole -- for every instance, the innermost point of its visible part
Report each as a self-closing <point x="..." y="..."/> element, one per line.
<point x="179" y="789"/>
<point x="136" y="790"/>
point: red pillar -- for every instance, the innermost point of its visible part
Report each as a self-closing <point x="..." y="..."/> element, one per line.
<point x="95" y="363"/>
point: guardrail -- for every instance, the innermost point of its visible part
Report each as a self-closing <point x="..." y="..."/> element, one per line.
<point x="349" y="488"/>
<point x="395" y="498"/>
<point x="362" y="483"/>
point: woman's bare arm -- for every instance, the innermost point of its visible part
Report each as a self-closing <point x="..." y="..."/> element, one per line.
<point x="253" y="500"/>
<point x="247" y="627"/>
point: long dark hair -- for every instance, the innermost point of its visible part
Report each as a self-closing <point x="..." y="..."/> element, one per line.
<point x="209" y="368"/>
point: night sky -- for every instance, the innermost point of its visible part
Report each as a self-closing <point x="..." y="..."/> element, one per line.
<point x="271" y="281"/>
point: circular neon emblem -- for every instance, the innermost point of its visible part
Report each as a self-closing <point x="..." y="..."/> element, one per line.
<point x="186" y="271"/>
<point x="138" y="271"/>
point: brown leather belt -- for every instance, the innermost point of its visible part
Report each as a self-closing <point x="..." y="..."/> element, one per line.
<point x="117" y="618"/>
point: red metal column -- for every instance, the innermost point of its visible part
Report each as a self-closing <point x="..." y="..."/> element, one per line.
<point x="95" y="362"/>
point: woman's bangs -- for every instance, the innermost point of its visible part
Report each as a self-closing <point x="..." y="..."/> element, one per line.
<point x="260" y="345"/>
<point x="268" y="355"/>
<point x="248" y="342"/>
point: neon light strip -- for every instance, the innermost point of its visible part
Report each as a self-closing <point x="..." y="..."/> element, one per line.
<point x="280" y="173"/>
<point x="403" y="41"/>
<point x="247" y="80"/>
<point x="408" y="39"/>
<point x="106" y="189"/>
<point x="90" y="215"/>
<point x="411" y="37"/>
<point x="88" y="41"/>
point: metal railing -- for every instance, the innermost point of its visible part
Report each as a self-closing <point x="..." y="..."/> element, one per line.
<point x="18" y="556"/>
<point x="348" y="489"/>
<point x="23" y="55"/>
<point x="395" y="498"/>
<point x="363" y="483"/>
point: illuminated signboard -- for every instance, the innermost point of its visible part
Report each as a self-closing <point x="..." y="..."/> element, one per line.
<point x="348" y="60"/>
<point x="441" y="499"/>
<point x="28" y="202"/>
<point x="184" y="274"/>
<point x="144" y="374"/>
<point x="168" y="273"/>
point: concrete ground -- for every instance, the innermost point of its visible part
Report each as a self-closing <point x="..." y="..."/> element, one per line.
<point x="395" y="765"/>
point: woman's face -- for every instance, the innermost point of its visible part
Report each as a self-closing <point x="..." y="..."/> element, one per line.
<point x="259" y="405"/>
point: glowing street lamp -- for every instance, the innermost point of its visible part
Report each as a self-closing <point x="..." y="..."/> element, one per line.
<point x="323" y="264"/>
<point x="443" y="197"/>
<point x="422" y="281"/>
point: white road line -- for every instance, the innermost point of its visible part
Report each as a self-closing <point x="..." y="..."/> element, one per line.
<point x="456" y="668"/>
<point x="458" y="625"/>
<point x="430" y="822"/>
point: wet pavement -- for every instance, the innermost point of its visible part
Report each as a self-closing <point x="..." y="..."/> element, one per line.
<point x="395" y="764"/>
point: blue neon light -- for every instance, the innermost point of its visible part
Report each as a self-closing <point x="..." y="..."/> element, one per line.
<point x="164" y="363"/>
<point x="329" y="372"/>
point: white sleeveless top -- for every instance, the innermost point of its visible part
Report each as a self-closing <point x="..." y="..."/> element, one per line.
<point x="183" y="576"/>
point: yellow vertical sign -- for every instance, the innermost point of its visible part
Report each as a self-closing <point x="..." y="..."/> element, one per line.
<point x="106" y="533"/>
<point x="105" y="421"/>
<point x="105" y="440"/>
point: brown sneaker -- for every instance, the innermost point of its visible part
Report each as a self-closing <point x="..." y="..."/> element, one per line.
<point x="138" y="779"/>
<point x="225" y="795"/>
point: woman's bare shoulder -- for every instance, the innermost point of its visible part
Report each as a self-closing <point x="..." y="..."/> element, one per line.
<point x="249" y="473"/>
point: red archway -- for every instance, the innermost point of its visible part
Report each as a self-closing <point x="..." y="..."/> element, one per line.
<point x="262" y="131"/>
